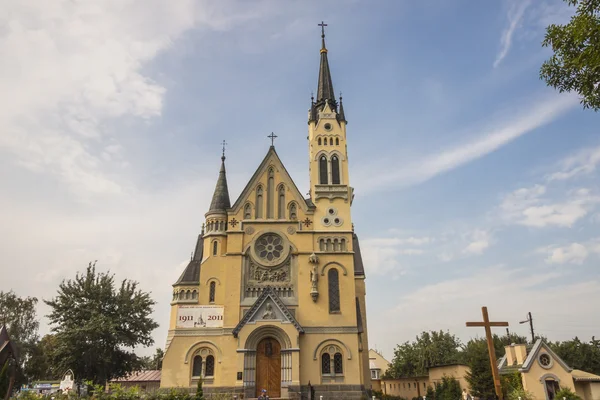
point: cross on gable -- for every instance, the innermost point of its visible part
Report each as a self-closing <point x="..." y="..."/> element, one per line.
<point x="272" y="136"/>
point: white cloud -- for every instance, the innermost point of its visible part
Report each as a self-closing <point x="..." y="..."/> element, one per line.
<point x="508" y="294"/>
<point x="514" y="124"/>
<point x="526" y="206"/>
<point x="515" y="15"/>
<point x="583" y="162"/>
<point x="480" y="241"/>
<point x="574" y="253"/>
<point x="381" y="254"/>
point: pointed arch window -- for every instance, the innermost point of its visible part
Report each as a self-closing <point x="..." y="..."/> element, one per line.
<point x="335" y="170"/>
<point x="215" y="248"/>
<point x="334" y="290"/>
<point x="325" y="364"/>
<point x="293" y="212"/>
<point x="259" y="202"/>
<point x="281" y="202"/>
<point x="323" y="179"/>
<point x="211" y="292"/>
<point x="197" y="366"/>
<point x="270" y="193"/>
<point x="210" y="366"/>
<point x="247" y="211"/>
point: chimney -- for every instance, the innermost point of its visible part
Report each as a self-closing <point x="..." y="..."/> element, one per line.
<point x="511" y="358"/>
<point x="520" y="352"/>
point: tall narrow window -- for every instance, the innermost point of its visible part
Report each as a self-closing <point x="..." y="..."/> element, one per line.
<point x="334" y="290"/>
<point x="247" y="211"/>
<point x="338" y="364"/>
<point x="281" y="205"/>
<point x="259" y="202"/>
<point x="215" y="247"/>
<point x="337" y="141"/>
<point x="197" y="366"/>
<point x="270" y="194"/>
<point x="210" y="366"/>
<point x="293" y="212"/>
<point x="325" y="364"/>
<point x="323" y="171"/>
<point x="211" y="292"/>
<point x="331" y="141"/>
<point x="319" y="141"/>
<point x="335" y="170"/>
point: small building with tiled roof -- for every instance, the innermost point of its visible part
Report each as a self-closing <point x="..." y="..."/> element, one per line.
<point x="544" y="373"/>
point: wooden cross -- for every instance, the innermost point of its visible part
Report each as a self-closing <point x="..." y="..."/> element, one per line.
<point x="272" y="136"/>
<point x="490" y="343"/>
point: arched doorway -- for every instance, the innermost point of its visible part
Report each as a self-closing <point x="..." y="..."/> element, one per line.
<point x="268" y="367"/>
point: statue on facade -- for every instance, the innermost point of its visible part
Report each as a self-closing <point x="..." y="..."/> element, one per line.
<point x="269" y="314"/>
<point x="314" y="276"/>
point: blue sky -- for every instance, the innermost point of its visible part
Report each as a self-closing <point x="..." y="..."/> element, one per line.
<point x="475" y="183"/>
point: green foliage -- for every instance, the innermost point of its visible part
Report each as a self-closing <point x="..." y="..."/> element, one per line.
<point x="430" y="394"/>
<point x="575" y="64"/>
<point x="511" y="382"/>
<point x="97" y="324"/>
<point x="448" y="389"/>
<point x="480" y="377"/>
<point x="428" y="349"/>
<point x="4" y="380"/>
<point x="19" y="316"/>
<point x="199" y="391"/>
<point x="154" y="362"/>
<point x="382" y="396"/>
<point x="579" y="355"/>
<point x="520" y="394"/>
<point x="566" y="393"/>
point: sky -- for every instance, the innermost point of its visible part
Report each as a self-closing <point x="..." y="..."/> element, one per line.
<point x="476" y="184"/>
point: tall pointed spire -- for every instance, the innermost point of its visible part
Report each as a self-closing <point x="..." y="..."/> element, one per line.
<point x="220" y="200"/>
<point x="325" y="91"/>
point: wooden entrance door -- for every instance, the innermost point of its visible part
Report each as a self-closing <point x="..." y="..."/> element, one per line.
<point x="268" y="367"/>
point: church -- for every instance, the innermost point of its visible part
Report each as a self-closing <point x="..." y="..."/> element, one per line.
<point x="274" y="295"/>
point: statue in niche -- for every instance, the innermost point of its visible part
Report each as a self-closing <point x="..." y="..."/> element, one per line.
<point x="269" y="314"/>
<point x="314" y="276"/>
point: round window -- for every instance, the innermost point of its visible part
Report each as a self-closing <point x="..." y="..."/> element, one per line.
<point x="326" y="221"/>
<point x="545" y="360"/>
<point x="327" y="126"/>
<point x="270" y="249"/>
<point x="336" y="221"/>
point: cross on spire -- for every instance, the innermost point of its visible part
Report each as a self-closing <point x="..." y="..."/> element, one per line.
<point x="272" y="136"/>
<point x="224" y="143"/>
<point x="322" y="25"/>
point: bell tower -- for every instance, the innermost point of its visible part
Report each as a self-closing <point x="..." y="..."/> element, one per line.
<point x="328" y="165"/>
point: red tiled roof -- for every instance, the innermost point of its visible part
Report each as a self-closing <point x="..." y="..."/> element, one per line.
<point x="152" y="375"/>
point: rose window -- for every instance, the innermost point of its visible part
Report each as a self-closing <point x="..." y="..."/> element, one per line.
<point x="269" y="247"/>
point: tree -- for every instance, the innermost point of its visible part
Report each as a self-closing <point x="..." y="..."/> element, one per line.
<point x="19" y="316"/>
<point x="428" y="349"/>
<point x="566" y="393"/>
<point x="579" y="355"/>
<point x="480" y="377"/>
<point x="448" y="389"/>
<point x="154" y="362"/>
<point x="575" y="64"/>
<point x="97" y="324"/>
<point x="43" y="360"/>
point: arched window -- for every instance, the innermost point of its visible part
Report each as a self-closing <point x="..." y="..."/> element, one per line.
<point x="325" y="364"/>
<point x="323" y="171"/>
<point x="270" y="193"/>
<point x="293" y="212"/>
<point x="337" y="141"/>
<point x="188" y="295"/>
<point x="197" y="366"/>
<point x="343" y="244"/>
<point x="338" y="363"/>
<point x="334" y="290"/>
<point x="325" y="141"/>
<point x="331" y="141"/>
<point x="215" y="247"/>
<point x="194" y="295"/>
<point x="210" y="365"/>
<point x="259" y="202"/>
<point x="247" y="211"/>
<point x="211" y="293"/>
<point x="319" y="141"/>
<point x="335" y="170"/>
<point x="281" y="205"/>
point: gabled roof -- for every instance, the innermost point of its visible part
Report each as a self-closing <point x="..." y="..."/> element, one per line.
<point x="267" y="293"/>
<point x="359" y="268"/>
<point x="7" y="346"/>
<point x="306" y="205"/>
<point x="582" y="376"/>
<point x="191" y="274"/>
<point x="533" y="354"/>
<point x="151" y="375"/>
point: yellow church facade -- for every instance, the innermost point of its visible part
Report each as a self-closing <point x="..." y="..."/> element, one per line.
<point x="274" y="296"/>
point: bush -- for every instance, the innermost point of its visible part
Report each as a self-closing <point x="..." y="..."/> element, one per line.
<point x="519" y="394"/>
<point x="566" y="393"/>
<point x="448" y="389"/>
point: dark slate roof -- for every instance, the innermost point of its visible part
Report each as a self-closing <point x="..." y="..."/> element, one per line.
<point x="341" y="116"/>
<point x="7" y="346"/>
<point x="325" y="85"/>
<point x="359" y="268"/>
<point x="267" y="292"/>
<point x="220" y="200"/>
<point x="191" y="274"/>
<point x="359" y="321"/>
